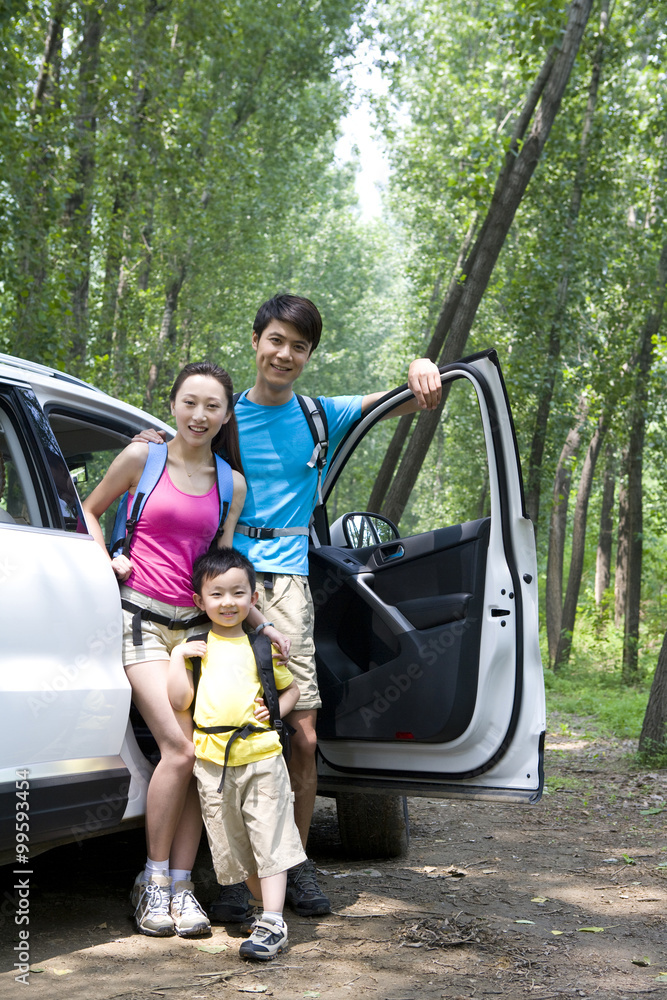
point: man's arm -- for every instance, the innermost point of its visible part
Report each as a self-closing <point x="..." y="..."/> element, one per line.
<point x="424" y="380"/>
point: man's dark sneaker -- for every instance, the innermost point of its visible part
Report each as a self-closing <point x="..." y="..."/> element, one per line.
<point x="232" y="905"/>
<point x="303" y="893"/>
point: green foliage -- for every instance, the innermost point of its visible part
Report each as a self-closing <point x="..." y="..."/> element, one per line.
<point x="596" y="701"/>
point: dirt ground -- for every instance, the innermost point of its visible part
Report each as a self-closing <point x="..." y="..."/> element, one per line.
<point x="563" y="899"/>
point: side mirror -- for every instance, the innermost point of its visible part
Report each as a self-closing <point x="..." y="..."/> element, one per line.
<point x="361" y="530"/>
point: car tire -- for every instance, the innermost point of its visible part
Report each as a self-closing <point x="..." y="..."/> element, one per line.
<point x="373" y="825"/>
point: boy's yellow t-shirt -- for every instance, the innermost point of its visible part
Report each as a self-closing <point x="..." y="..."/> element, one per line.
<point x="228" y="685"/>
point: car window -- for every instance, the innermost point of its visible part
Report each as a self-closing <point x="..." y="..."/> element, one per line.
<point x="89" y="449"/>
<point x="452" y="485"/>
<point x="18" y="504"/>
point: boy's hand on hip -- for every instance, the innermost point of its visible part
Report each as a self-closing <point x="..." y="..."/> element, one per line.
<point x="261" y="712"/>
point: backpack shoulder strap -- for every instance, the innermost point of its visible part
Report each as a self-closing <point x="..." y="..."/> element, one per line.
<point x="225" y="482"/>
<point x="196" y="666"/>
<point x="318" y="424"/>
<point x="261" y="647"/>
<point x="126" y="522"/>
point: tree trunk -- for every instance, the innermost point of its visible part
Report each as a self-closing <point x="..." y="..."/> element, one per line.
<point x="621" y="580"/>
<point x="603" y="559"/>
<point x="635" y="463"/>
<point x="548" y="383"/>
<point x="653" y="736"/>
<point x="432" y="351"/>
<point x="79" y="206"/>
<point x="558" y="523"/>
<point x="459" y="309"/>
<point x="167" y="329"/>
<point x="33" y="200"/>
<point x="579" y="543"/>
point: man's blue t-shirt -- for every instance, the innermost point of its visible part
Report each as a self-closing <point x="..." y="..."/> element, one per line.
<point x="276" y="446"/>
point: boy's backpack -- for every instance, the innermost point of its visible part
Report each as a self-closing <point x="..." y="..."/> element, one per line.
<point x="124" y="526"/>
<point x="318" y="425"/>
<point x="261" y="647"/>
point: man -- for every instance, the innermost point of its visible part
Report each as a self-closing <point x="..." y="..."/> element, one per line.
<point x="276" y="449"/>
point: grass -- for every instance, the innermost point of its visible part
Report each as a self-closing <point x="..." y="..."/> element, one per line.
<point x="589" y="692"/>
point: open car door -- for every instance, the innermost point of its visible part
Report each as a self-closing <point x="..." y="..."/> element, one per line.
<point x="427" y="634"/>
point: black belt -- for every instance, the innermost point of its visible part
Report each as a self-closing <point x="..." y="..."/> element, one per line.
<point x="140" y="615"/>
<point x="238" y="733"/>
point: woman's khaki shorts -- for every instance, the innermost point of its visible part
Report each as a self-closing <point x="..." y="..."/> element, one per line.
<point x="290" y="607"/>
<point x="157" y="640"/>
<point x="250" y="826"/>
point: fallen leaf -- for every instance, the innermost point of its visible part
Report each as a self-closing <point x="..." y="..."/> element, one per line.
<point x="556" y="933"/>
<point x="524" y="921"/>
<point x="641" y="961"/>
<point x="591" y="930"/>
<point x="63" y="972"/>
<point x="662" y="978"/>
<point x="102" y="927"/>
<point x="373" y="872"/>
<point x="212" y="949"/>
<point x="312" y="993"/>
<point x="539" y="899"/>
<point x="37" y="969"/>
<point x="651" y="812"/>
<point x="628" y="860"/>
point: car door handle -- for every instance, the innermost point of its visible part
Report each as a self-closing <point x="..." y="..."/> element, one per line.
<point x="389" y="552"/>
<point x="391" y="616"/>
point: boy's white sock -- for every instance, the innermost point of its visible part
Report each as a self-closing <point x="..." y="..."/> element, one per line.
<point x="179" y="875"/>
<point x="156" y="868"/>
<point x="277" y="917"/>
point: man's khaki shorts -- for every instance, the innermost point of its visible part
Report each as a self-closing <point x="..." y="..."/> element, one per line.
<point x="157" y="640"/>
<point x="250" y="826"/>
<point x="290" y="607"/>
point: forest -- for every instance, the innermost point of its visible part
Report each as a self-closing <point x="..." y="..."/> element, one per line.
<point x="167" y="165"/>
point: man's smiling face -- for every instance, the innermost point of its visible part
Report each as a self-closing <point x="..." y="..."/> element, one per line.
<point x="281" y="354"/>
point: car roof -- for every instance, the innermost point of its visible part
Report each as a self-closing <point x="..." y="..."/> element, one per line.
<point x="59" y="387"/>
<point x="36" y="369"/>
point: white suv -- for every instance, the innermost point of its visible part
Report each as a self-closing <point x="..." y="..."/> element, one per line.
<point x="427" y="641"/>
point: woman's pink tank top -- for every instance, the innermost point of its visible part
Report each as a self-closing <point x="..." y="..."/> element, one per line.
<point x="174" y="529"/>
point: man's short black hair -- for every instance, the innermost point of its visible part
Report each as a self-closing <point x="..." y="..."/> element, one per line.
<point x="218" y="561"/>
<point x="300" y="312"/>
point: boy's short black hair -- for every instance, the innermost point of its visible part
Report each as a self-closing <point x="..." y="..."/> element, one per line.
<point x="295" y="309"/>
<point x="218" y="561"/>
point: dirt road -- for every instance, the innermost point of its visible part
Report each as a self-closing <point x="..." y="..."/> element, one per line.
<point x="564" y="899"/>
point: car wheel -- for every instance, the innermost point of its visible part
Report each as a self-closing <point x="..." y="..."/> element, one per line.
<point x="373" y="825"/>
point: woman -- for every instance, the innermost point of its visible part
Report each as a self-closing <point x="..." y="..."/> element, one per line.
<point x="179" y="521"/>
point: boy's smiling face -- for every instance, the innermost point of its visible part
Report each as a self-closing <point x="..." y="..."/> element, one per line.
<point x="227" y="599"/>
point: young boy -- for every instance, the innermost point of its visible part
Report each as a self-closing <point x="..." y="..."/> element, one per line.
<point x="247" y="803"/>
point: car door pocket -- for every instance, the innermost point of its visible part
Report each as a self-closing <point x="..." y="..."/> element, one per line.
<point x="431" y="612"/>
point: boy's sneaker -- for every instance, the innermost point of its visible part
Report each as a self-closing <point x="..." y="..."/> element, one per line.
<point x="151" y="898"/>
<point x="267" y="940"/>
<point x="188" y="916"/>
<point x="303" y="893"/>
<point x="232" y="905"/>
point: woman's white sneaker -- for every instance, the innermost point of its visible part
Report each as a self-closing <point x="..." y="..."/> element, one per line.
<point x="188" y="916"/>
<point x="151" y="899"/>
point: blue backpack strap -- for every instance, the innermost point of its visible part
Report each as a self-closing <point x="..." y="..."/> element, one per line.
<point x="225" y="491"/>
<point x="124" y="525"/>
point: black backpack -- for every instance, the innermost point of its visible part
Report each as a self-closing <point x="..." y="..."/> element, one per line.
<point x="261" y="647"/>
